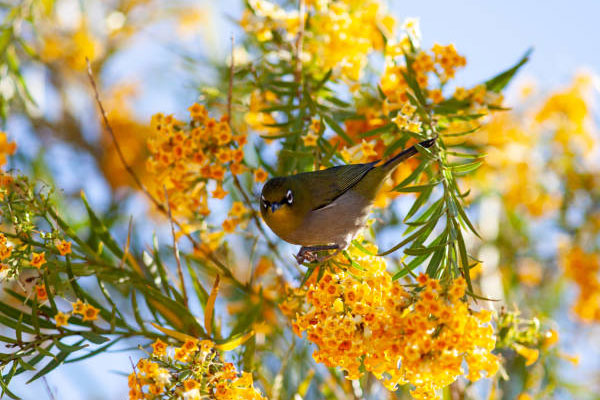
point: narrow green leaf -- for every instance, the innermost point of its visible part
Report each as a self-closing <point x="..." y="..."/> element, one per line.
<point x="499" y="82"/>
<point x="333" y="125"/>
<point x="94" y="337"/>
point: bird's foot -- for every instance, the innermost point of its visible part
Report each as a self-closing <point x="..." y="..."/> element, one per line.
<point x="310" y="253"/>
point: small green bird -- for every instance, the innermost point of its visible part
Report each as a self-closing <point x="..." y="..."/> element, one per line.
<point x="324" y="210"/>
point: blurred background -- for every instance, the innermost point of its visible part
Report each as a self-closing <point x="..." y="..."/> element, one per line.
<point x="161" y="56"/>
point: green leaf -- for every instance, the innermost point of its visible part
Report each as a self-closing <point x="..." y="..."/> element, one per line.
<point x="55" y="362"/>
<point x="463" y="257"/>
<point x="201" y="293"/>
<point x="417" y="188"/>
<point x="423" y="231"/>
<point x="466" y="168"/>
<point x="376" y="131"/>
<point x="100" y="229"/>
<point x="423" y="197"/>
<point x="94" y="337"/>
<point x="338" y="129"/>
<point x="499" y="82"/>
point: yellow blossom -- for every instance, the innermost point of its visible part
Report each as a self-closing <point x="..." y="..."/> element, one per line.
<point x="78" y="307"/>
<point x="90" y="313"/>
<point x="61" y="319"/>
<point x="159" y="348"/>
<point x="64" y="247"/>
<point x="310" y="139"/>
<point x="38" y="259"/>
<point x="260" y="175"/>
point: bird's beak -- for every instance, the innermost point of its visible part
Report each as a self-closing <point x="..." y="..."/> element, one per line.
<point x="275" y="206"/>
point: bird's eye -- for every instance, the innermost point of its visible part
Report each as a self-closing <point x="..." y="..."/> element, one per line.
<point x="289" y="197"/>
<point x="264" y="202"/>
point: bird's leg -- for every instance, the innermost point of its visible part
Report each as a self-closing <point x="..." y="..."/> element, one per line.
<point x="309" y="253"/>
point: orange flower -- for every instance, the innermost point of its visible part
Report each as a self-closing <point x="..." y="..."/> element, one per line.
<point x="219" y="193"/>
<point x="38" y="259"/>
<point x="40" y="291"/>
<point x="237" y="169"/>
<point x="229" y="225"/>
<point x="159" y="348"/>
<point x="64" y="247"/>
<point x="260" y="175"/>
<point x="90" y="313"/>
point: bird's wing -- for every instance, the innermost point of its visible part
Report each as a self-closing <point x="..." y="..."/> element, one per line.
<point x="337" y="180"/>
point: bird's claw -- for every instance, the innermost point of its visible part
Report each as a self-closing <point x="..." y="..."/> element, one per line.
<point x="305" y="255"/>
<point x="310" y="254"/>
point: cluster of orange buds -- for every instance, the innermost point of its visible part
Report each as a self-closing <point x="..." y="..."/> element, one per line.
<point x="192" y="372"/>
<point x="420" y="337"/>
<point x="185" y="157"/>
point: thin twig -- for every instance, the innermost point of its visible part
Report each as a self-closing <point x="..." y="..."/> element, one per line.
<point x="208" y="254"/>
<point x="50" y="394"/>
<point x="176" y="249"/>
<point x="135" y="373"/>
<point x="236" y="180"/>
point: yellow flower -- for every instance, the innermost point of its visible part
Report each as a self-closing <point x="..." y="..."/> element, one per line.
<point x="436" y="96"/>
<point x="78" y="307"/>
<point x="368" y="149"/>
<point x="38" y="259"/>
<point x="159" y="348"/>
<point x="61" y="319"/>
<point x="260" y="175"/>
<point x="315" y="126"/>
<point x="530" y="355"/>
<point x="198" y="112"/>
<point x="229" y="225"/>
<point x="64" y="248"/>
<point x="238" y="209"/>
<point x="219" y="192"/>
<point x="90" y="313"/>
<point x="310" y="139"/>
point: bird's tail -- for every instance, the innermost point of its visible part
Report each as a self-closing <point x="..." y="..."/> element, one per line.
<point x="391" y="164"/>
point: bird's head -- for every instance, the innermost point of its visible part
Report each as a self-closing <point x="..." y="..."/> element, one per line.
<point x="283" y="204"/>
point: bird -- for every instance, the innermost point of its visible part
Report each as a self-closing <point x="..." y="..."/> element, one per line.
<point x="325" y="209"/>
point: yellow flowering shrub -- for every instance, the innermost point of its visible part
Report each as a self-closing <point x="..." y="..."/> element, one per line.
<point x="339" y="34"/>
<point x="360" y="318"/>
<point x="185" y="157"/>
<point x="193" y="371"/>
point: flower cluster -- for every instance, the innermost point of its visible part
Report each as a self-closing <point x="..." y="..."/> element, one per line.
<point x="184" y="158"/>
<point x="339" y="34"/>
<point x="6" y="148"/>
<point x="87" y="311"/>
<point x="420" y="337"/>
<point x="584" y="269"/>
<point x="193" y="371"/>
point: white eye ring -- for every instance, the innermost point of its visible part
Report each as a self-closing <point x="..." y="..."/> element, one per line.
<point x="264" y="201"/>
<point x="289" y="196"/>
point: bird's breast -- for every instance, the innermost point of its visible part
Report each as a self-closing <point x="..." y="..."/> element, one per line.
<point x="335" y="223"/>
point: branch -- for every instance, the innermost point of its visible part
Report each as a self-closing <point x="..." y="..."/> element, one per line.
<point x="209" y="255"/>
